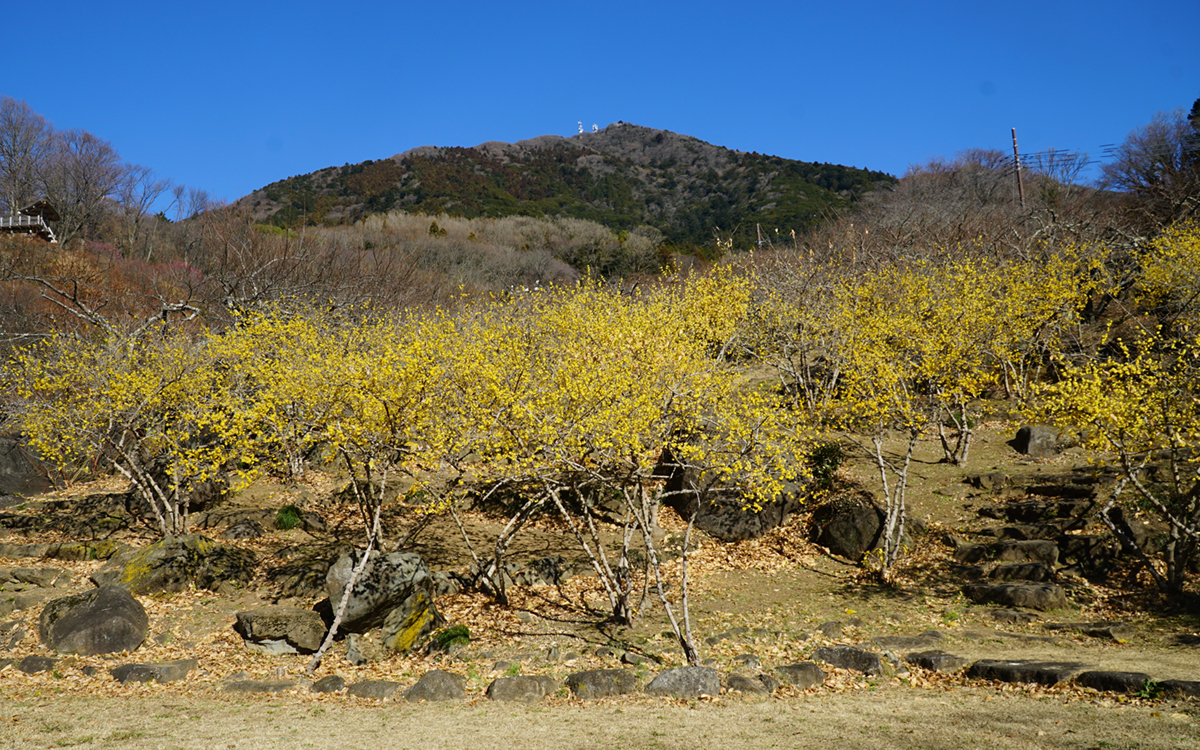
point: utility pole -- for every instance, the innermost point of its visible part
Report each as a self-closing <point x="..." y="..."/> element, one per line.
<point x="1017" y="159"/>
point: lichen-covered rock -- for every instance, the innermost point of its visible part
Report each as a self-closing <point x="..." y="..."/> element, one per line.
<point x="385" y="583"/>
<point x="602" y="683"/>
<point x="522" y="689"/>
<point x="411" y="622"/>
<point x="100" y="621"/>
<point x="686" y="682"/>
<point x="175" y="563"/>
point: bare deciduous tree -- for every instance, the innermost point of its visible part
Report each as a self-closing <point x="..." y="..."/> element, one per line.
<point x="1159" y="164"/>
<point x="83" y="173"/>
<point x="24" y="146"/>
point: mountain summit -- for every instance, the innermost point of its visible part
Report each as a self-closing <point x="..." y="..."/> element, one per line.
<point x="622" y="176"/>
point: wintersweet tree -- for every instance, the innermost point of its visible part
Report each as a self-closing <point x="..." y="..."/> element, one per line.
<point x="156" y="410"/>
<point x="578" y="392"/>
<point x="1144" y="407"/>
<point x="1142" y="404"/>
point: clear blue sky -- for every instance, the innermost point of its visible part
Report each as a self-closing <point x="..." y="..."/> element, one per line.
<point x="228" y="97"/>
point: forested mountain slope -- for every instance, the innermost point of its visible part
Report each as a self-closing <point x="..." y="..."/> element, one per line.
<point x="622" y="176"/>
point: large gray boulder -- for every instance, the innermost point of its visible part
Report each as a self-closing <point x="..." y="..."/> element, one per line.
<point x="437" y="685"/>
<point x="522" y="689"/>
<point x="602" y="683"/>
<point x="1037" y="440"/>
<point x="101" y="621"/>
<point x="384" y="584"/>
<point x="686" y="682"/>
<point x="281" y="630"/>
<point x="379" y="690"/>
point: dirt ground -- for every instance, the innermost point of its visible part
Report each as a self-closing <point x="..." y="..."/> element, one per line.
<point x="933" y="719"/>
<point x="768" y="597"/>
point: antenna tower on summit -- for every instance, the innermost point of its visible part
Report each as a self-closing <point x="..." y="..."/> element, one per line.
<point x="595" y="128"/>
<point x="581" y="127"/>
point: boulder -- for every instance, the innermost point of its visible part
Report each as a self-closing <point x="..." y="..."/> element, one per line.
<point x="410" y="622"/>
<point x="437" y="685"/>
<point x="281" y="630"/>
<point x="384" y="584"/>
<point x="522" y="689"/>
<point x="1114" y="631"/>
<point x="1038" y="572"/>
<point x="100" y="621"/>
<point x="1013" y="616"/>
<point x="602" y="683"/>
<point x="246" y="528"/>
<point x="374" y="689"/>
<point x="752" y="684"/>
<point x="1039" y="596"/>
<point x="1033" y="550"/>
<point x="329" y="684"/>
<point x="37" y="664"/>
<point x="41" y="577"/>
<point x="1040" y="672"/>
<point x="1038" y="441"/>
<point x="849" y="657"/>
<point x="936" y="661"/>
<point x="848" y="528"/>
<point x="686" y="682"/>
<point x="1114" y="682"/>
<point x="364" y="648"/>
<point x="1180" y="688"/>
<point x="176" y="563"/>
<point x="165" y="671"/>
<point x="803" y="675"/>
<point x="908" y="642"/>
<point x="726" y="517"/>
<point x="259" y="686"/>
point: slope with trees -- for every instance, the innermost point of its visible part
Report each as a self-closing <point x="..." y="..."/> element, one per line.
<point x="622" y="176"/>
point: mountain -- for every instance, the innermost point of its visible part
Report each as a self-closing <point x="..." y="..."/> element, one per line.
<point x="621" y="176"/>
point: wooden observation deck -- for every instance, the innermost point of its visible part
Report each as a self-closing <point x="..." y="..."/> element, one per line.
<point x="32" y="220"/>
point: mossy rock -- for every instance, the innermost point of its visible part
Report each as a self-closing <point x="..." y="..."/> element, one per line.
<point x="455" y="635"/>
<point x="177" y="563"/>
<point x="410" y="623"/>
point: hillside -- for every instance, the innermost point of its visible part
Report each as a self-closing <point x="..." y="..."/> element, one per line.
<point x="622" y="176"/>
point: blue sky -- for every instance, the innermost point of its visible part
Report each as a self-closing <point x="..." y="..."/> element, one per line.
<point x="228" y="97"/>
